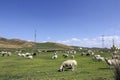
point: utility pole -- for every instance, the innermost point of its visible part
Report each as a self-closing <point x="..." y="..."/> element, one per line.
<point x="103" y="41"/>
<point x="35" y="36"/>
<point x="113" y="43"/>
<point x="113" y="46"/>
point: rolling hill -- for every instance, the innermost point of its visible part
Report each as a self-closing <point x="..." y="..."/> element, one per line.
<point x="17" y="43"/>
<point x="14" y="43"/>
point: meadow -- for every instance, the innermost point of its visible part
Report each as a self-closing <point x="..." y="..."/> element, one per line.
<point x="43" y="67"/>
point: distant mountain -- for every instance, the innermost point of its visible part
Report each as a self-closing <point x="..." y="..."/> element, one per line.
<point x="17" y="43"/>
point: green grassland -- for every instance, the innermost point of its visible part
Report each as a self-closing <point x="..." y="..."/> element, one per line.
<point x="42" y="67"/>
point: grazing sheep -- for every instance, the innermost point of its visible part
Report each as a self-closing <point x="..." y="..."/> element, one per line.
<point x="30" y="57"/>
<point x="117" y="72"/>
<point x="55" y="56"/>
<point x="71" y="52"/>
<point x="34" y="54"/>
<point x="83" y="54"/>
<point x="3" y="53"/>
<point x="23" y="55"/>
<point x="19" y="54"/>
<point x="98" y="58"/>
<point x="28" y="54"/>
<point x="114" y="56"/>
<point x="69" y="64"/>
<point x="9" y="54"/>
<point x="112" y="62"/>
<point x="72" y="56"/>
<point x="65" y="55"/>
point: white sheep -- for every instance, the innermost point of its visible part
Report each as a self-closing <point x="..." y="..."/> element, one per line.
<point x="114" y="56"/>
<point x="3" y="53"/>
<point x="23" y="55"/>
<point x="55" y="56"/>
<point x="19" y="54"/>
<point x="112" y="62"/>
<point x="30" y="57"/>
<point x="65" y="55"/>
<point x="98" y="58"/>
<point x="9" y="54"/>
<point x="69" y="64"/>
<point x="28" y="54"/>
<point x="6" y="53"/>
<point x="72" y="56"/>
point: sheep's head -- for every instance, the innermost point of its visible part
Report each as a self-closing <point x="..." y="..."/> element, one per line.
<point x="60" y="70"/>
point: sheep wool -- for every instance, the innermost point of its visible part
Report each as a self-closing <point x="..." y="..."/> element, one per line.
<point x="69" y="64"/>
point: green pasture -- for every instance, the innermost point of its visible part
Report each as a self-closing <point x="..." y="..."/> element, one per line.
<point x="42" y="67"/>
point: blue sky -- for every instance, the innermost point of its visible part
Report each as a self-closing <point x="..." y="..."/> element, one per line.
<point x="71" y="22"/>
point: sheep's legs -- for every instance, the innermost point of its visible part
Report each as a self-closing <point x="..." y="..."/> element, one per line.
<point x="72" y="68"/>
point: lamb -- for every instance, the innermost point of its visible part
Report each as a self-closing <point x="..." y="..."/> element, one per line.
<point x="68" y="64"/>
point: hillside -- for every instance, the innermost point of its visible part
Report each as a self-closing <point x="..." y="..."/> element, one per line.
<point x="51" y="45"/>
<point x="17" y="43"/>
<point x="14" y="43"/>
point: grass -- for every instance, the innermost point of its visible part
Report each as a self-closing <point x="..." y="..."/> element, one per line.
<point x="42" y="67"/>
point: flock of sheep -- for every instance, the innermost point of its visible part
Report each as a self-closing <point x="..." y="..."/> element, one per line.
<point x="71" y="64"/>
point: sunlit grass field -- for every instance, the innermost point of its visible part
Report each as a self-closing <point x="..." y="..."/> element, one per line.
<point x="43" y="67"/>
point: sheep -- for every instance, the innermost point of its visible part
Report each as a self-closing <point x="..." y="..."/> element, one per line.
<point x="72" y="56"/>
<point x="89" y="53"/>
<point x="72" y="52"/>
<point x="28" y="54"/>
<point x="68" y="64"/>
<point x="55" y="56"/>
<point x="5" y="53"/>
<point x="65" y="55"/>
<point x="30" y="57"/>
<point x="98" y="58"/>
<point x="34" y="54"/>
<point x="9" y="54"/>
<point x="83" y="54"/>
<point x="23" y="55"/>
<point x="19" y="54"/>
<point x="115" y="56"/>
<point x="112" y="62"/>
<point x="117" y="72"/>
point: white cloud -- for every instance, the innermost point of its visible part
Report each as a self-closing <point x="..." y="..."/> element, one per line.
<point x="75" y="39"/>
<point x="44" y="41"/>
<point x="92" y="42"/>
<point x="85" y="39"/>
